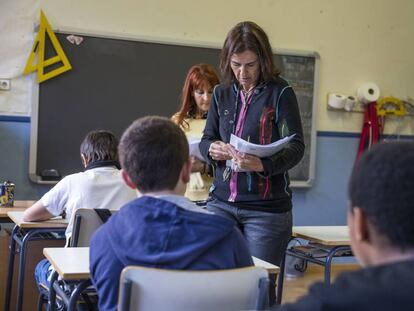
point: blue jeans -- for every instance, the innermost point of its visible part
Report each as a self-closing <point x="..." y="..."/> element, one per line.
<point x="266" y="234"/>
<point x="43" y="273"/>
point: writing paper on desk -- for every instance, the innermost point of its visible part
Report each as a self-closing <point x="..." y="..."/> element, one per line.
<point x="260" y="151"/>
<point x="193" y="144"/>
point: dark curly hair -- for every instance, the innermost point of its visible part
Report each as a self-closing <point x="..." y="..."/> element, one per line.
<point x="382" y="186"/>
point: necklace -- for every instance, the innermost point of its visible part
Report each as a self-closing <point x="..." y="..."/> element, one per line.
<point x="247" y="93"/>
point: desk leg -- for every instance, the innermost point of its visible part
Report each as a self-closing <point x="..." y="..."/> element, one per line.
<point x="52" y="292"/>
<point x="22" y="268"/>
<point x="280" y="280"/>
<point x="329" y="259"/>
<point x="71" y="301"/>
<point x="10" y="269"/>
<point x="74" y="297"/>
<point x="328" y="265"/>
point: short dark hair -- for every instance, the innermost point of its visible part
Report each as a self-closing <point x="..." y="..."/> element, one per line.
<point x="99" y="145"/>
<point x="382" y="186"/>
<point x="153" y="150"/>
<point x="248" y="36"/>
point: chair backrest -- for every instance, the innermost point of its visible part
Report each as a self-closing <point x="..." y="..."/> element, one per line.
<point x="147" y="289"/>
<point x="85" y="223"/>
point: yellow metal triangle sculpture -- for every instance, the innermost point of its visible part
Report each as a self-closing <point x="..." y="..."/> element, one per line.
<point x="39" y="47"/>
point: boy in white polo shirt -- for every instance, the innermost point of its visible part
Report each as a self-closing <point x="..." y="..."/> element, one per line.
<point x="99" y="186"/>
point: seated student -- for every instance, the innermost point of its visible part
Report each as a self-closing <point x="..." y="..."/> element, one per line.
<point x="161" y="228"/>
<point x="381" y="227"/>
<point x="99" y="186"/>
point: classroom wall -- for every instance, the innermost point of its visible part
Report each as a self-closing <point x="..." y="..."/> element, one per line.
<point x="14" y="158"/>
<point x="358" y="41"/>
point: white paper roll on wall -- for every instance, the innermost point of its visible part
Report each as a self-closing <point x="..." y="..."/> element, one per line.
<point x="368" y="93"/>
<point x="336" y="101"/>
<point x="350" y="103"/>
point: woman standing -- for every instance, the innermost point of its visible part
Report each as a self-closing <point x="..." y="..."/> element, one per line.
<point x="254" y="103"/>
<point x="196" y="99"/>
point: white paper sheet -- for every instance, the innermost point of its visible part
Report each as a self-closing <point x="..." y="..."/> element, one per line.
<point x="260" y="151"/>
<point x="194" y="143"/>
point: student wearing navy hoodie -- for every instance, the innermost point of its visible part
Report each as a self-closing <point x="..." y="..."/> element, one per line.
<point x="161" y="228"/>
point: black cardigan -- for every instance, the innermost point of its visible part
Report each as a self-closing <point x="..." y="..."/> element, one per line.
<point x="274" y="114"/>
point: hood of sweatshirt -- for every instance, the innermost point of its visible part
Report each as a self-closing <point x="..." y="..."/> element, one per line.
<point x="156" y="232"/>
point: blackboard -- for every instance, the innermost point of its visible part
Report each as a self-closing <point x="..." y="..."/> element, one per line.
<point x="114" y="81"/>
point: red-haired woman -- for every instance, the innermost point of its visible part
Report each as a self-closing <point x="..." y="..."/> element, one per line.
<point x="196" y="99"/>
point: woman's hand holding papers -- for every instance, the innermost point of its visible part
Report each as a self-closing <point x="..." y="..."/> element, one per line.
<point x="219" y="151"/>
<point x="245" y="162"/>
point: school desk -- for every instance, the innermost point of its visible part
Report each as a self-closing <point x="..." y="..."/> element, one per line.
<point x="72" y="265"/>
<point x="18" y="207"/>
<point x="325" y="243"/>
<point x="22" y="233"/>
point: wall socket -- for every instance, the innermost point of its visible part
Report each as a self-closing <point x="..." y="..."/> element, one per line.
<point x="5" y="84"/>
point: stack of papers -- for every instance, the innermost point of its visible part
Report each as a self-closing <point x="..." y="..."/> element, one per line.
<point x="260" y="151"/>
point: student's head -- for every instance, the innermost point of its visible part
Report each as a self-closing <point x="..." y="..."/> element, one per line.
<point x="197" y="92"/>
<point x="154" y="156"/>
<point x="99" y="145"/>
<point x="247" y="47"/>
<point x="381" y="194"/>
